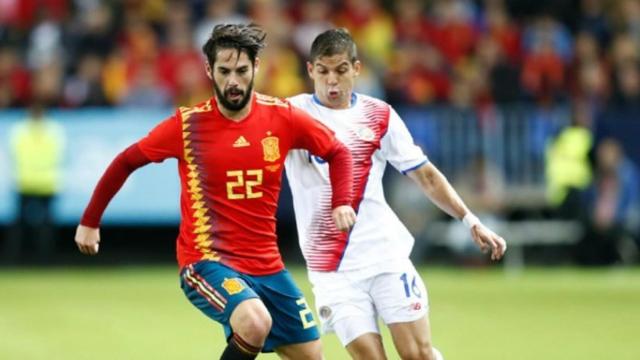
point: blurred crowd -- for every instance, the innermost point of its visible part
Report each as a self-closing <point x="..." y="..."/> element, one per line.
<point x="75" y="53"/>
<point x="475" y="57"/>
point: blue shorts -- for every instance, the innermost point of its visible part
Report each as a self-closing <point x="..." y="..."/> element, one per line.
<point x="216" y="290"/>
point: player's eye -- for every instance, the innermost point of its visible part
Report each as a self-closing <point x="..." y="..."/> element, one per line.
<point x="242" y="71"/>
<point x="223" y="71"/>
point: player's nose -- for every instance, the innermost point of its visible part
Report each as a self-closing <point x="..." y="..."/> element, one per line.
<point x="232" y="81"/>
<point x="332" y="78"/>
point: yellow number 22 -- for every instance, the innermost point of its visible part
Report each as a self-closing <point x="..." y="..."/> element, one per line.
<point x="305" y="314"/>
<point x="248" y="180"/>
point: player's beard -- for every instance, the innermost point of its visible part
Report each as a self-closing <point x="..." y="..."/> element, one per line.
<point x="233" y="106"/>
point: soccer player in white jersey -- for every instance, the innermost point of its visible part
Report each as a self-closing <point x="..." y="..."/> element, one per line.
<point x="366" y="273"/>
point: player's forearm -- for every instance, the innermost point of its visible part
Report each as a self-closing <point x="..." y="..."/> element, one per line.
<point x="110" y="183"/>
<point x="341" y="175"/>
<point x="438" y="189"/>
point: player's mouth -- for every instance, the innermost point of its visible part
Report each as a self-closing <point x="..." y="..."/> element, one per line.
<point x="333" y="94"/>
<point x="235" y="94"/>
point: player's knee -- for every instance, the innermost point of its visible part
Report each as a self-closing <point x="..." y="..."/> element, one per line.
<point x="311" y="351"/>
<point x="259" y="324"/>
<point x="253" y="323"/>
<point x="418" y="351"/>
<point x="368" y="354"/>
<point x="367" y="347"/>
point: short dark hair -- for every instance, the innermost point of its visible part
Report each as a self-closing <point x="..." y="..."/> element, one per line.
<point x="332" y="42"/>
<point x="248" y="38"/>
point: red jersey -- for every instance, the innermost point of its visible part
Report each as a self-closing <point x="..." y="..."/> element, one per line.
<point x="230" y="174"/>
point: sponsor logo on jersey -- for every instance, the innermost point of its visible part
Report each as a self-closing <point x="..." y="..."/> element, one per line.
<point x="233" y="286"/>
<point x="241" y="142"/>
<point x="416" y="306"/>
<point x="270" y="148"/>
<point x="273" y="168"/>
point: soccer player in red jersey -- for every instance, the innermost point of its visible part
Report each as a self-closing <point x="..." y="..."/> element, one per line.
<point x="230" y="150"/>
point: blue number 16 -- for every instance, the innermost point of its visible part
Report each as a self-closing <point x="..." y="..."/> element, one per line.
<point x="414" y="286"/>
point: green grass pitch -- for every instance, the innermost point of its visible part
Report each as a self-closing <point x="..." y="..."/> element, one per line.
<point x="140" y="313"/>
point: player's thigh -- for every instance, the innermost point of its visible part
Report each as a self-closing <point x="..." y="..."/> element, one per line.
<point x="402" y="301"/>
<point x="216" y="290"/>
<point x="310" y="350"/>
<point x="400" y="297"/>
<point x="345" y="307"/>
<point x="367" y="347"/>
<point x="412" y="340"/>
<point x="292" y="319"/>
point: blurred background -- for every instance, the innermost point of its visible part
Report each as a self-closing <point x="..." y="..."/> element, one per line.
<point x="530" y="108"/>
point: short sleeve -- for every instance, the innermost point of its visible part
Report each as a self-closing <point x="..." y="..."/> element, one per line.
<point x="164" y="141"/>
<point x="309" y="133"/>
<point x="398" y="147"/>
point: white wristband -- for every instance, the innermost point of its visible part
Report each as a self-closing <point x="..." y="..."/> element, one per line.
<point x="470" y="220"/>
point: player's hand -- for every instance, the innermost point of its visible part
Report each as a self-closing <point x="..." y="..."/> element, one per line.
<point x="88" y="239"/>
<point x="344" y="217"/>
<point x="487" y="240"/>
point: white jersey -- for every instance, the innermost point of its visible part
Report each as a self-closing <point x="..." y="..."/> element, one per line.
<point x="375" y="134"/>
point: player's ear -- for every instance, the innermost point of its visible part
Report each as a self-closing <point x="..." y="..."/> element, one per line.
<point x="208" y="70"/>
<point x="310" y="69"/>
<point x="357" y="66"/>
<point x="256" y="65"/>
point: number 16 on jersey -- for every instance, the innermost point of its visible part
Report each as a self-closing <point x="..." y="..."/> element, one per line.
<point x="415" y="289"/>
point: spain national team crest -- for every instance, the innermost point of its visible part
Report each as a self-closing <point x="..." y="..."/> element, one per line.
<point x="233" y="286"/>
<point x="270" y="148"/>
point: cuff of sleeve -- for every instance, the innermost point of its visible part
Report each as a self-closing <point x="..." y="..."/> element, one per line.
<point x="406" y="171"/>
<point x="335" y="204"/>
<point x="90" y="223"/>
<point x="470" y="220"/>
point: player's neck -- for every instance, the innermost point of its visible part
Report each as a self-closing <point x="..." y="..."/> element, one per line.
<point x="238" y="115"/>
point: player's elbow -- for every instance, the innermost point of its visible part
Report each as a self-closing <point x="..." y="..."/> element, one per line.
<point x="338" y="152"/>
<point x="428" y="177"/>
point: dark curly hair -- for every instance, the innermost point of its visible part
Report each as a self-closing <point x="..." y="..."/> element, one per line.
<point x="332" y="42"/>
<point x="248" y="38"/>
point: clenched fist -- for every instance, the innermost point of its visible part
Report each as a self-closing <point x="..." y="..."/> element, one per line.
<point x="344" y="217"/>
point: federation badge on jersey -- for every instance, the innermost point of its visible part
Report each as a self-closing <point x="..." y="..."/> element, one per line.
<point x="366" y="133"/>
<point x="325" y="312"/>
<point x="233" y="286"/>
<point x="270" y="148"/>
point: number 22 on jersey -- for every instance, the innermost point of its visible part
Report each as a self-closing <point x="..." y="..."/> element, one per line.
<point x="241" y="184"/>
